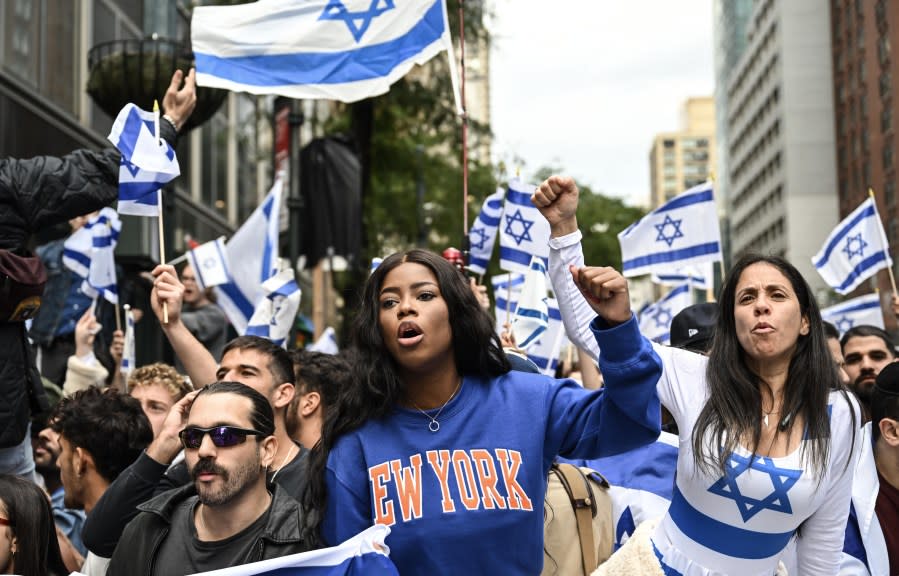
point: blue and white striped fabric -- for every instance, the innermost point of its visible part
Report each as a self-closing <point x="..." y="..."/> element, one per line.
<point x="128" y="354"/>
<point x="326" y="343"/>
<point x="864" y="310"/>
<point x="147" y="165"/>
<point x="333" y="49"/>
<point x="89" y="253"/>
<point x="77" y="250"/>
<point x="365" y="553"/>
<point x="523" y="231"/>
<point x="655" y="319"/>
<point x="375" y="262"/>
<point x="482" y="235"/>
<point x="209" y="263"/>
<point x="531" y="317"/>
<point x="683" y="231"/>
<point x="855" y="250"/>
<point x="252" y="259"/>
<point x="699" y="276"/>
<point x="274" y="315"/>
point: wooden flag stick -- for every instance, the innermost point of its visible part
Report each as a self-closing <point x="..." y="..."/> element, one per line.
<point x="118" y="322"/>
<point x="165" y="305"/>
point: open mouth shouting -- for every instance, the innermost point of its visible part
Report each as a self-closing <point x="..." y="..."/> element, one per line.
<point x="409" y="334"/>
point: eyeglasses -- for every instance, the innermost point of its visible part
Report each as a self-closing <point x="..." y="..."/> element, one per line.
<point x="222" y="436"/>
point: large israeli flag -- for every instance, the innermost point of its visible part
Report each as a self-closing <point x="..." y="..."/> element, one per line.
<point x="655" y="319"/>
<point x="274" y="315"/>
<point x="365" y="553"/>
<point x="146" y="165"/>
<point x="252" y="259"/>
<point x="523" y="231"/>
<point x="864" y="310"/>
<point x="210" y="263"/>
<point x="683" y="231"/>
<point x="855" y="250"/>
<point x="482" y="235"/>
<point x="333" y="49"/>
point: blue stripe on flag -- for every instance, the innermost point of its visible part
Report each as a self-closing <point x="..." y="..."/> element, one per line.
<point x="368" y="62"/>
<point x="517" y="256"/>
<point x="78" y="257"/>
<point x="267" y="248"/>
<point x="236" y="296"/>
<point x="141" y="192"/>
<point x="672" y="256"/>
<point x="861" y="268"/>
<point x="857" y="307"/>
<point x="868" y="212"/>
<point x="531" y="313"/>
<point x="686" y="200"/>
<point x="516" y="197"/>
<point x="475" y="261"/>
<point x="489" y="220"/>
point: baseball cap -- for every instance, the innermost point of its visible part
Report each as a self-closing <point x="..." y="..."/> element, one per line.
<point x="693" y="327"/>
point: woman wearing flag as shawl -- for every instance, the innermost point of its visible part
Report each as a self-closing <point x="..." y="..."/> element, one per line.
<point x="437" y="439"/>
<point x="768" y="433"/>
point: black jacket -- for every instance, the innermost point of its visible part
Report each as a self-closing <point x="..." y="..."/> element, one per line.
<point x="137" y="550"/>
<point x="34" y="194"/>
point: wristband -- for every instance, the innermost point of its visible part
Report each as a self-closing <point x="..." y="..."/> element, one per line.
<point x="170" y="121"/>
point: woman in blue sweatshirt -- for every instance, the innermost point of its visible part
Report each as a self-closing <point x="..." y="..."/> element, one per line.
<point x="437" y="439"/>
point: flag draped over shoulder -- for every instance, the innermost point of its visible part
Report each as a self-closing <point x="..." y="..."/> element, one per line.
<point x="146" y="165"/>
<point x="855" y="250"/>
<point x="681" y="232"/>
<point x="252" y="259"/>
<point x="365" y="553"/>
<point x="864" y="310"/>
<point x="334" y="49"/>
<point x="274" y="315"/>
<point x="210" y="264"/>
<point x="655" y="319"/>
<point x="326" y="343"/>
<point x="482" y="235"/>
<point x="523" y="231"/>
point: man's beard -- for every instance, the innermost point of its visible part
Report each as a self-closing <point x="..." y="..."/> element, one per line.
<point x="234" y="483"/>
<point x="863" y="387"/>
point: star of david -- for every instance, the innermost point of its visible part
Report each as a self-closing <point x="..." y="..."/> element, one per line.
<point x="130" y="167"/>
<point x="357" y="21"/>
<point x="662" y="317"/>
<point x="844" y="324"/>
<point x="525" y="225"/>
<point x="209" y="263"/>
<point x="277" y="303"/>
<point x="673" y="225"/>
<point x="481" y="238"/>
<point x="860" y="246"/>
<point x="782" y="479"/>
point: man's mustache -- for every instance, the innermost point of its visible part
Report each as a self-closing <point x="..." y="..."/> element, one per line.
<point x="207" y="466"/>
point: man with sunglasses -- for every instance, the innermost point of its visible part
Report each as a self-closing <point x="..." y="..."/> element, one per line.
<point x="228" y="515"/>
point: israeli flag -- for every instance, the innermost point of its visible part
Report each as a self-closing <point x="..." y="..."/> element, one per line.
<point x="683" y="231"/>
<point x="482" y="235"/>
<point x="343" y="50"/>
<point x="855" y="250"/>
<point x="545" y="351"/>
<point x="655" y="319"/>
<point x="77" y="251"/>
<point x="699" y="276"/>
<point x="275" y="314"/>
<point x="146" y="166"/>
<point x="326" y="343"/>
<point x="365" y="553"/>
<point x="532" y="315"/>
<point x="506" y="291"/>
<point x="864" y="310"/>
<point x="523" y="231"/>
<point x="209" y="263"/>
<point x="104" y="232"/>
<point x="128" y="356"/>
<point x="252" y="259"/>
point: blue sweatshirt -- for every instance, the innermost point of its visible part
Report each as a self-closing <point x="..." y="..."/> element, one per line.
<point x="468" y="499"/>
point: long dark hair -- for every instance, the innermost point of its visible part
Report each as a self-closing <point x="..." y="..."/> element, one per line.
<point x="734" y="406"/>
<point x="376" y="387"/>
<point x="31" y="519"/>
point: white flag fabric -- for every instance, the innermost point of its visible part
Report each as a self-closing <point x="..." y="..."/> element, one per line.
<point x="104" y="232"/>
<point x="365" y="553"/>
<point x="506" y="289"/>
<point x="531" y="317"/>
<point x="699" y="276"/>
<point x="523" y="231"/>
<point x="855" y="250"/>
<point x="545" y="351"/>
<point x="128" y="356"/>
<point x="482" y="235"/>
<point x="326" y="343"/>
<point x="252" y="259"/>
<point x="655" y="319"/>
<point x="331" y="49"/>
<point x="77" y="250"/>
<point x="146" y="166"/>
<point x="864" y="310"/>
<point x="210" y="263"/>
<point x="681" y="232"/>
<point x="274" y="315"/>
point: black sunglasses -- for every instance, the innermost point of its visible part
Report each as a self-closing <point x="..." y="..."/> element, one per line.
<point x="222" y="436"/>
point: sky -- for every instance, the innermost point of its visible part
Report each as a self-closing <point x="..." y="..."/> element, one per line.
<point x="584" y="85"/>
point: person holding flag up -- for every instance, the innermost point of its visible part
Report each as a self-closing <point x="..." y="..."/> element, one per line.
<point x="36" y="193"/>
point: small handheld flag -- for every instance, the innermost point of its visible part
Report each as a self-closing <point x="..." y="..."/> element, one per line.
<point x="275" y="313"/>
<point x="532" y="315"/>
<point x="864" y="310"/>
<point x="209" y="263"/>
<point x="523" y="231"/>
<point x="482" y="235"/>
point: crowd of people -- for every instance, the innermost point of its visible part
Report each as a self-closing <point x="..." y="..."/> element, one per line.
<point x="780" y="442"/>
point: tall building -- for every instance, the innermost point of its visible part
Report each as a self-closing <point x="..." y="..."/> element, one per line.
<point x="780" y="136"/>
<point x="866" y="102"/>
<point x="680" y="160"/>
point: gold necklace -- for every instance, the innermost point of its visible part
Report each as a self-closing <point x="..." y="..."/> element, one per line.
<point x="434" y="425"/>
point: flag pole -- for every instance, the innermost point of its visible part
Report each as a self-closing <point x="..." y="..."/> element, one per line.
<point x="466" y="242"/>
<point x="165" y="305"/>
<point x="883" y="239"/>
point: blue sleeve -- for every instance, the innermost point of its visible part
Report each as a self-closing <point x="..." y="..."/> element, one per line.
<point x="623" y="415"/>
<point x="348" y="509"/>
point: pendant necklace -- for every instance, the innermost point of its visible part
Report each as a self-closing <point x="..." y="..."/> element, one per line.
<point x="434" y="425"/>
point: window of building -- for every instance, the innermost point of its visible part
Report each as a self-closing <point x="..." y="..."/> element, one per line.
<point x="886" y="81"/>
<point x="886" y="119"/>
<point x="668" y="143"/>
<point x="214" y="187"/>
<point x="887" y="155"/>
<point x="889" y="192"/>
